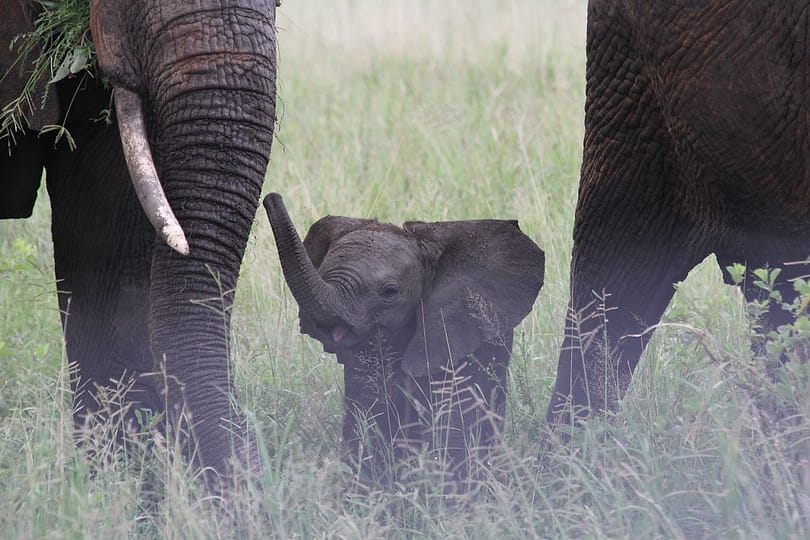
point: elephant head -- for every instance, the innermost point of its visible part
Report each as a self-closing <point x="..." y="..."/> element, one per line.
<point x="193" y="92"/>
<point x="413" y="303"/>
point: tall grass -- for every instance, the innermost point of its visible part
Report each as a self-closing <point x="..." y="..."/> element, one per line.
<point x="417" y="110"/>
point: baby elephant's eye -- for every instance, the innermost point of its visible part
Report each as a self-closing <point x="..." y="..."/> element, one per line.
<point x="389" y="292"/>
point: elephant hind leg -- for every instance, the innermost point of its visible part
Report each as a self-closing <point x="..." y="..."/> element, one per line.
<point x="639" y="224"/>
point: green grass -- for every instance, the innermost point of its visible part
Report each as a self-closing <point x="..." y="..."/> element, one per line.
<point x="418" y="110"/>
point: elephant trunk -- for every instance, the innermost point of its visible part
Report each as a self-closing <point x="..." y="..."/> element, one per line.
<point x="212" y="112"/>
<point x="316" y="298"/>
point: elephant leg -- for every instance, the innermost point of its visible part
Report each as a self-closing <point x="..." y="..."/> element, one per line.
<point x="452" y="403"/>
<point x="612" y="310"/>
<point x="636" y="226"/>
<point x="468" y="407"/>
<point x="102" y="251"/>
<point x="456" y="414"/>
<point x="371" y="421"/>
<point x="20" y="174"/>
<point x="489" y="371"/>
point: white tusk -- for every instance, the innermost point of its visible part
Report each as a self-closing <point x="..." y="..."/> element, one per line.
<point x="141" y="167"/>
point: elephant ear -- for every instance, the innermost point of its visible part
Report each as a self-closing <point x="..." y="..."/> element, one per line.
<point x="18" y="18"/>
<point x="327" y="230"/>
<point x="487" y="276"/>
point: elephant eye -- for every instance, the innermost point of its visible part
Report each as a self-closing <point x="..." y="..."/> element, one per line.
<point x="389" y="292"/>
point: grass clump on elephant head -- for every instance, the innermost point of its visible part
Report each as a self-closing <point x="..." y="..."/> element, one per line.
<point x="421" y="317"/>
<point x="56" y="45"/>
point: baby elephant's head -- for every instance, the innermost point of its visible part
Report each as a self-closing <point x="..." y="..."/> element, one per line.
<point x="427" y="292"/>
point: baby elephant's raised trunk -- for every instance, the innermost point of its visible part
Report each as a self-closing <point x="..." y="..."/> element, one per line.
<point x="316" y="298"/>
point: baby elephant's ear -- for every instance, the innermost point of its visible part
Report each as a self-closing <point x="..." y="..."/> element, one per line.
<point x="327" y="230"/>
<point x="487" y="276"/>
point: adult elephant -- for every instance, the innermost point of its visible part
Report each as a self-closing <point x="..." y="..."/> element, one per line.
<point x="195" y="83"/>
<point x="696" y="142"/>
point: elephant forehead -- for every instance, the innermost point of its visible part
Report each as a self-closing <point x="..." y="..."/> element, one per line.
<point x="373" y="254"/>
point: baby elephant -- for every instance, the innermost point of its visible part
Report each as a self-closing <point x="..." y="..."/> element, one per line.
<point x="421" y="317"/>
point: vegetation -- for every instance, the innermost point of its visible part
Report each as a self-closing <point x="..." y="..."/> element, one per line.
<point x="58" y="46"/>
<point x="424" y="110"/>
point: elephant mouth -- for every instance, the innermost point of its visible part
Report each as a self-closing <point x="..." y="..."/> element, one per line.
<point x="334" y="338"/>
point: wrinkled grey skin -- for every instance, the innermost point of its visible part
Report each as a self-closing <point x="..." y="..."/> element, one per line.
<point x="696" y="143"/>
<point x="205" y="74"/>
<point x="405" y="309"/>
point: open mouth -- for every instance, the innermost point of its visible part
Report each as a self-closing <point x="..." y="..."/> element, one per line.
<point x="340" y="337"/>
<point x="333" y="338"/>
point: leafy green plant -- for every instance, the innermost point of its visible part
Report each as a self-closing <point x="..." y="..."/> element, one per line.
<point x="780" y="353"/>
<point x="62" y="36"/>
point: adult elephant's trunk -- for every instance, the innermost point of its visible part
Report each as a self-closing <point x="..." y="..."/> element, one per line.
<point x="207" y="82"/>
<point x="316" y="298"/>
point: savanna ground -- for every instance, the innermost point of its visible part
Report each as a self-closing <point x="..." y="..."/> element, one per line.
<point x="421" y="110"/>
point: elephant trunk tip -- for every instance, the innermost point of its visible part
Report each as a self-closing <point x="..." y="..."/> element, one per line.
<point x="273" y="203"/>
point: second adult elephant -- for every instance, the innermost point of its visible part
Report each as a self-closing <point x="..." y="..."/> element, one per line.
<point x="697" y="141"/>
<point x="191" y="85"/>
<point x="421" y="317"/>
